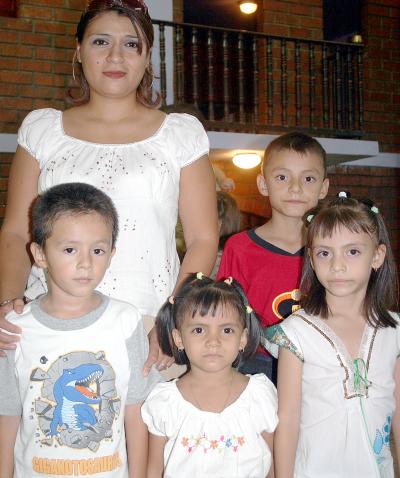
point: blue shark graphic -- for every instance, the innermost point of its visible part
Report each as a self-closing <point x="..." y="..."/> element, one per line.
<point x="73" y="397"/>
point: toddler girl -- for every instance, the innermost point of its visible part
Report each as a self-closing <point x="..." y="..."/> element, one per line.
<point x="338" y="373"/>
<point x="213" y="421"/>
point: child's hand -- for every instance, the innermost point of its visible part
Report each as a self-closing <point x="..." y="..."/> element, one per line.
<point x="8" y="340"/>
<point x="156" y="356"/>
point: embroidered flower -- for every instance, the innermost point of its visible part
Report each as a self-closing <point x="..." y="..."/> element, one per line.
<point x="214" y="444"/>
<point x="185" y="441"/>
<point x="209" y="445"/>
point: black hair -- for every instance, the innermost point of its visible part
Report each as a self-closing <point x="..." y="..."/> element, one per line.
<point x="295" y="141"/>
<point x="356" y="216"/>
<point x="204" y="296"/>
<point x="73" y="199"/>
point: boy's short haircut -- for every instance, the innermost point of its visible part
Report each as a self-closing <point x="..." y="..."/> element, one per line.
<point x="70" y="199"/>
<point x="295" y="141"/>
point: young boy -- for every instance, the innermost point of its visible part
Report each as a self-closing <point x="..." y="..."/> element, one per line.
<point x="72" y="389"/>
<point x="267" y="261"/>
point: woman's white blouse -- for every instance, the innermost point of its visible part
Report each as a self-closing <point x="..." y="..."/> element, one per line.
<point x="142" y="179"/>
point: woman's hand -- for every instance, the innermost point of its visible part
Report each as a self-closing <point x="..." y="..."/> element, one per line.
<point x="7" y="341"/>
<point x="155" y="357"/>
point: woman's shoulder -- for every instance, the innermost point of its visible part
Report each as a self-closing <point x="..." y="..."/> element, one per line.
<point x="39" y="126"/>
<point x="184" y="124"/>
<point x="43" y="116"/>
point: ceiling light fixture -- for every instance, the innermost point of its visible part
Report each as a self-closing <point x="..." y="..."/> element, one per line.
<point x="247" y="6"/>
<point x="246" y="160"/>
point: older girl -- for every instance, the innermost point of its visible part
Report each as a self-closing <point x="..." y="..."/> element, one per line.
<point x="338" y="369"/>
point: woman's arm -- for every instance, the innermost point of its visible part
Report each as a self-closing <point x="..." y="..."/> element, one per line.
<point x="136" y="441"/>
<point x="396" y="415"/>
<point x="8" y="432"/>
<point x="289" y="406"/>
<point x="269" y="440"/>
<point x="155" y="466"/>
<point x="15" y="261"/>
<point x="198" y="214"/>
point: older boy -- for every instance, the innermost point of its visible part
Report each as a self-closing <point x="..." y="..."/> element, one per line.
<point x="73" y="387"/>
<point x="267" y="261"/>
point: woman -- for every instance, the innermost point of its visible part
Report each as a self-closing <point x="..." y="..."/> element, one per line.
<point x="114" y="138"/>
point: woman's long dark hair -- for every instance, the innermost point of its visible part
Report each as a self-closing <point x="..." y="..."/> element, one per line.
<point x="356" y="216"/>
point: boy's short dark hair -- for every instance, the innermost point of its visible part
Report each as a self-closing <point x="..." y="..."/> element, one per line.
<point x="73" y="199"/>
<point x="295" y="141"/>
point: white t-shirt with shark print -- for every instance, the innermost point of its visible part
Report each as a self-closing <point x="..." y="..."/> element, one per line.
<point x="70" y="380"/>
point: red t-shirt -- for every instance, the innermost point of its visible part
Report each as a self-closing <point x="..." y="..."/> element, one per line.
<point x="269" y="275"/>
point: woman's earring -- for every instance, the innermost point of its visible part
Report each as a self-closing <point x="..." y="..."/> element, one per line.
<point x="74" y="60"/>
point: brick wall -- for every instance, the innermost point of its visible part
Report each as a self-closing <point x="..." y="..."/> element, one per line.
<point x="381" y="32"/>
<point x="292" y="18"/>
<point x="36" y="50"/>
<point x="178" y="10"/>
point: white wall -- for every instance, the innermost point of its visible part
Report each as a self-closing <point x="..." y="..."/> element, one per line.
<point x="163" y="10"/>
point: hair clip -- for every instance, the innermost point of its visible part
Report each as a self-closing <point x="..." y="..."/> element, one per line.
<point x="171" y="299"/>
<point x="310" y="217"/>
<point x="249" y="310"/>
<point x="228" y="280"/>
<point x="342" y="194"/>
<point x="375" y="209"/>
<point x="142" y="6"/>
<point x="199" y="275"/>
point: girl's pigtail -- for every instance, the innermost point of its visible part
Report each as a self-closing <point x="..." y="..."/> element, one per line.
<point x="252" y="323"/>
<point x="165" y="324"/>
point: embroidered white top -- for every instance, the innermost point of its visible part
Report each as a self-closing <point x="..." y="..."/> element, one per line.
<point x="346" y="407"/>
<point x="205" y="444"/>
<point x="142" y="179"/>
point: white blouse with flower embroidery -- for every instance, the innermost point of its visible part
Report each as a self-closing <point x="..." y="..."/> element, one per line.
<point x="347" y="405"/>
<point x="142" y="179"/>
<point x="214" y="445"/>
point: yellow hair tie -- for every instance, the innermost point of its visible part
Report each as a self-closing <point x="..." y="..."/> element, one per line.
<point x="199" y="275"/>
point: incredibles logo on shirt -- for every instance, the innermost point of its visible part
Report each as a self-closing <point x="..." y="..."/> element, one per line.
<point x="286" y="304"/>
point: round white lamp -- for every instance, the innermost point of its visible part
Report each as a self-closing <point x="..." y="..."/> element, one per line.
<point x="248" y="7"/>
<point x="246" y="160"/>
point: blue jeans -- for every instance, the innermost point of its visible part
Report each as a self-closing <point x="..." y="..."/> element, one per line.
<point x="260" y="363"/>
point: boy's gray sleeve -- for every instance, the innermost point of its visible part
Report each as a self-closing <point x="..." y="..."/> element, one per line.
<point x="138" y="348"/>
<point x="10" y="400"/>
